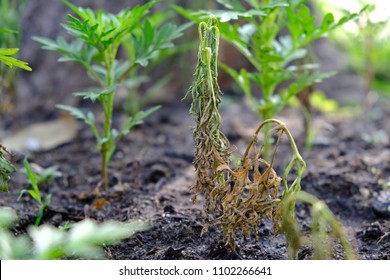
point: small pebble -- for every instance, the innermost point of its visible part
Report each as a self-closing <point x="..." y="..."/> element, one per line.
<point x="381" y="204"/>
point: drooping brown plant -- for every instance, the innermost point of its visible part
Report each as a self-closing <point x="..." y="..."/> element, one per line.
<point x="238" y="198"/>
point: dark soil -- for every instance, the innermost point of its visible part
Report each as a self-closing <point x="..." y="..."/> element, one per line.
<point x="150" y="175"/>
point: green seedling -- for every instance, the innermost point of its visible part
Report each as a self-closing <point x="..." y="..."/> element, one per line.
<point x="47" y="242"/>
<point x="237" y="198"/>
<point x="98" y="38"/>
<point x="273" y="37"/>
<point x="43" y="175"/>
<point x="35" y="192"/>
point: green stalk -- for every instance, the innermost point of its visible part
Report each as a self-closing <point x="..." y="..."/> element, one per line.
<point x="108" y="103"/>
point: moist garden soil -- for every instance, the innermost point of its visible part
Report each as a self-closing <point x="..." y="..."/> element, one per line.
<point x="151" y="174"/>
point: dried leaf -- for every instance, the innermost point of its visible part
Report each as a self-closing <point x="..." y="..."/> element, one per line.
<point x="43" y="136"/>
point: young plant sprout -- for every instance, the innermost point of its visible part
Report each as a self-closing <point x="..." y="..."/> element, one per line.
<point x="35" y="192"/>
<point x="44" y="175"/>
<point x="98" y="37"/>
<point x="238" y="198"/>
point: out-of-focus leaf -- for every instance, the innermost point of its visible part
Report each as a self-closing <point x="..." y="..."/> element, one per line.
<point x="10" y="61"/>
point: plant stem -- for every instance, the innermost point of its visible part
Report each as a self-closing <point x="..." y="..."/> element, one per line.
<point x="107" y="104"/>
<point x="259" y="128"/>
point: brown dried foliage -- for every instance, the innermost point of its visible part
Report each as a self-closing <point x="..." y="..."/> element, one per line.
<point x="238" y="198"/>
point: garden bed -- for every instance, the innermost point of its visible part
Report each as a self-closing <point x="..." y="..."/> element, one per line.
<point x="151" y="172"/>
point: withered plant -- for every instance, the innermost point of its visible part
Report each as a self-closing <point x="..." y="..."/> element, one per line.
<point x="212" y="146"/>
<point x="237" y="198"/>
<point x="6" y="169"/>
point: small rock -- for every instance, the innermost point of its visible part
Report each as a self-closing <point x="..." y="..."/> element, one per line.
<point x="381" y="204"/>
<point x="364" y="192"/>
<point x="121" y="187"/>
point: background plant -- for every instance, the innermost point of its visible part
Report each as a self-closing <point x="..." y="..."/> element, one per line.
<point x="6" y="168"/>
<point x="237" y="198"/>
<point x="35" y="192"/>
<point x="273" y="36"/>
<point x="146" y="82"/>
<point x="7" y="59"/>
<point x="10" y="35"/>
<point x="366" y="42"/>
<point x="48" y="242"/>
<point x="98" y="37"/>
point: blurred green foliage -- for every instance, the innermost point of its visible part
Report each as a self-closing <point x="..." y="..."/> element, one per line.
<point x="83" y="240"/>
<point x="366" y="42"/>
<point x="10" y="36"/>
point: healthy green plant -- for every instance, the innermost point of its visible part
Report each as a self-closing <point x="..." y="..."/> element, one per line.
<point x="367" y="46"/>
<point x="47" y="242"/>
<point x="6" y="168"/>
<point x="237" y="198"/>
<point x="35" y="192"/>
<point x="272" y="36"/>
<point x="10" y="35"/>
<point x="98" y="38"/>
<point x="145" y="82"/>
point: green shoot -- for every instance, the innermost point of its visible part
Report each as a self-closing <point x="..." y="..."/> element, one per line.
<point x="43" y="175"/>
<point x="98" y="37"/>
<point x="35" y="192"/>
